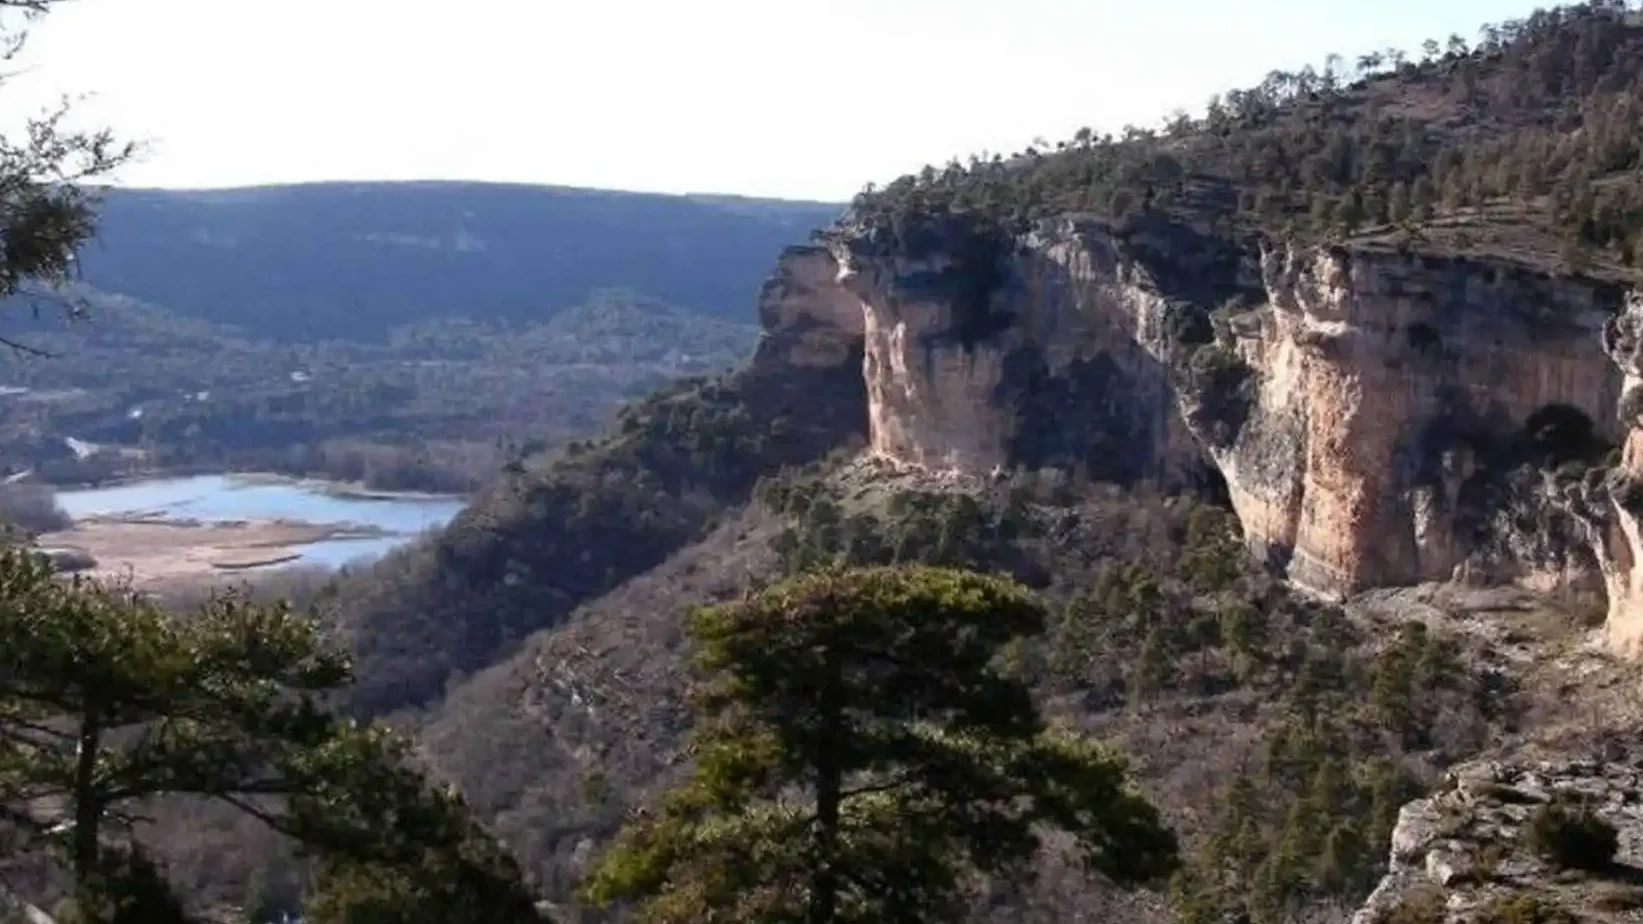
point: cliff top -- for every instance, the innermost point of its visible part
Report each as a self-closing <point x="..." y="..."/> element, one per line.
<point x="1523" y="147"/>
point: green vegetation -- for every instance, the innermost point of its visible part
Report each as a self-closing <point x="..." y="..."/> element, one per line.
<point x="1525" y="909"/>
<point x="1295" y="733"/>
<point x="438" y="406"/>
<point x="550" y="535"/>
<point x="46" y="211"/>
<point x="1310" y="822"/>
<point x="954" y="529"/>
<point x="110" y="705"/>
<point x="1572" y="837"/>
<point x="1171" y="613"/>
<point x="1222" y="384"/>
<point x="893" y="743"/>
<point x="1535" y="130"/>
<point x="1309" y="818"/>
<point x="397" y="850"/>
<point x="860" y="758"/>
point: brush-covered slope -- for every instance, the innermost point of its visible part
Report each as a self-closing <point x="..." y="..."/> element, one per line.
<point x="413" y="335"/>
<point x="575" y="524"/>
<point x="1384" y="318"/>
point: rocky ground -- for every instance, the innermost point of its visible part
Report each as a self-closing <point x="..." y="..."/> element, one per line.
<point x="1467" y="854"/>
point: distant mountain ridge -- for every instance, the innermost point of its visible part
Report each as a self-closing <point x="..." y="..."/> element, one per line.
<point x="352" y="260"/>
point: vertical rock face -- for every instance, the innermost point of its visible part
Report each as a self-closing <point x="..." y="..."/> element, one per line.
<point x="1613" y="518"/>
<point x="1377" y="418"/>
<point x="1052" y="352"/>
<point x="1387" y="387"/>
<point x="807" y="319"/>
<point x="930" y="399"/>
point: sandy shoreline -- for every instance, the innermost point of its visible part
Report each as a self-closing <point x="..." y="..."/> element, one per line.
<point x="151" y="550"/>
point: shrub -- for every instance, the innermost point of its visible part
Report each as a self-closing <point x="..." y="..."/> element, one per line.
<point x="1221" y="381"/>
<point x="1572" y="838"/>
<point x="1525" y="909"/>
<point x="1423" y="907"/>
<point x="31" y="508"/>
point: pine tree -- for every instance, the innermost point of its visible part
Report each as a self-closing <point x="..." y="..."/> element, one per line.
<point x="108" y="701"/>
<point x="859" y="757"/>
<point x="1154" y="666"/>
<point x="1075" y="642"/>
<point x="1244" y="633"/>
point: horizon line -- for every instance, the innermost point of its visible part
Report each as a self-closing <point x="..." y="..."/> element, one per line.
<point x="516" y="184"/>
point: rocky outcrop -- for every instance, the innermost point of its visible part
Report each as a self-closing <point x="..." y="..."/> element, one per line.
<point x="1375" y="417"/>
<point x="1392" y="393"/>
<point x="1613" y="519"/>
<point x="806" y="319"/>
<point x="1464" y="854"/>
<point x="1055" y="350"/>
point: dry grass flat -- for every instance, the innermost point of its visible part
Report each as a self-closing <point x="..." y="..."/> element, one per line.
<point x="155" y="554"/>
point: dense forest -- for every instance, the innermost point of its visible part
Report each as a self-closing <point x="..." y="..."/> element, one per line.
<point x="407" y="335"/>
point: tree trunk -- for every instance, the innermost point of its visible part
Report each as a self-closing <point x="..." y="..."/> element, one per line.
<point x="88" y="816"/>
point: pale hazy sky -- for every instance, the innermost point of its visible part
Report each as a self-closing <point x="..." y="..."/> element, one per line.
<point x="793" y="98"/>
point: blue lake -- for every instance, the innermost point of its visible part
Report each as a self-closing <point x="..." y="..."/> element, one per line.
<point x="209" y="498"/>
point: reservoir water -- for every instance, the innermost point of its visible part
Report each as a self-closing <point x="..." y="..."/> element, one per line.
<point x="217" y="498"/>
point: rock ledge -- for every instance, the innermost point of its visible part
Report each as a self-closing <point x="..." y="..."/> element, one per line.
<point x="1462" y="850"/>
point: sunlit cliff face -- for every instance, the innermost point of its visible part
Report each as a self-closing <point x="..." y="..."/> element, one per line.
<point x="1377" y="393"/>
<point x="1615" y="532"/>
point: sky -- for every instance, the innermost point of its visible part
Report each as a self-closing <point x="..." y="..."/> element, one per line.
<point x="804" y="99"/>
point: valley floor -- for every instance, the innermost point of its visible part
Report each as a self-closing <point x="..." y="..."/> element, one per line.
<point x="153" y="553"/>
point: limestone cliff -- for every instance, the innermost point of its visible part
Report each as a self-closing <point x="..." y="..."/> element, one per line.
<point x="1612" y="512"/>
<point x="1376" y="417"/>
<point x="1055" y="350"/>
<point x="1390" y="391"/>
<point x="1463" y="855"/>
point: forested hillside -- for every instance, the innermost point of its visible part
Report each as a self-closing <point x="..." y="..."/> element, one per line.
<point x="354" y="260"/>
<point x="1282" y="734"/>
<point x="873" y="735"/>
<point x="439" y="405"/>
<point x="411" y="335"/>
<point x="1526" y="144"/>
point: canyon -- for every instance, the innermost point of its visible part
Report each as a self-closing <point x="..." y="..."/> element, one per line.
<point x="1373" y="324"/>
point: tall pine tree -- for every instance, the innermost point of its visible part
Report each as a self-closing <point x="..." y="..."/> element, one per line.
<point x="860" y="756"/>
